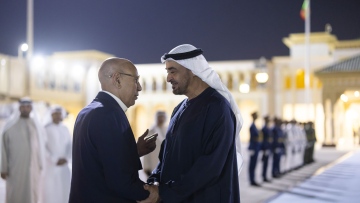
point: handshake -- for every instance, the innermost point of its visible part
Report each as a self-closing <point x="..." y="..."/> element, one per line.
<point x="154" y="194"/>
<point x="146" y="144"/>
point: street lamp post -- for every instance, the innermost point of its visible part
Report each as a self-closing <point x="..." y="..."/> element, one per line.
<point x="261" y="75"/>
<point x="22" y="48"/>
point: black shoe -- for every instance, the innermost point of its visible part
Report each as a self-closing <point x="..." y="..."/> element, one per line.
<point x="266" y="180"/>
<point x="255" y="184"/>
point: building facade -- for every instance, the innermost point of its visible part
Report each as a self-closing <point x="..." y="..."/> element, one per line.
<point x="272" y="87"/>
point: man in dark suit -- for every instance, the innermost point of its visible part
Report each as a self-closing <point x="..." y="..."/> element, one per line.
<point x="278" y="147"/>
<point x="311" y="140"/>
<point x="254" y="147"/>
<point x="105" y="154"/>
<point x="266" y="146"/>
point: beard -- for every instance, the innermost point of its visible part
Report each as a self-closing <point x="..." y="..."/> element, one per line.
<point x="182" y="86"/>
<point x="179" y="91"/>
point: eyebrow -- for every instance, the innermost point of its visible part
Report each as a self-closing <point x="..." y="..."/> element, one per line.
<point x="170" y="68"/>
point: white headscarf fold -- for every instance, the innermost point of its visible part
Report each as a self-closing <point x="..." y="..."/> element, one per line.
<point x="200" y="67"/>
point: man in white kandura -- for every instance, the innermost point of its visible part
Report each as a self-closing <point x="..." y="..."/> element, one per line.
<point x="22" y="157"/>
<point x="58" y="147"/>
<point x="151" y="160"/>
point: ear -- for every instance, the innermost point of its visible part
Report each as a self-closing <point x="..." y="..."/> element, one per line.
<point x="116" y="80"/>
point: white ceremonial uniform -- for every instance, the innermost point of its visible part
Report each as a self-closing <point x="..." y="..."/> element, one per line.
<point x="57" y="178"/>
<point x="290" y="146"/>
<point x="22" y="159"/>
<point x="301" y="144"/>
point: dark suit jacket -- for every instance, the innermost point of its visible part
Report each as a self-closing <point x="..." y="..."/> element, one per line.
<point x="267" y="138"/>
<point x="254" y="144"/>
<point x="105" y="160"/>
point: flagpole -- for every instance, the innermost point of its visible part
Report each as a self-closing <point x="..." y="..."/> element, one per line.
<point x="30" y="28"/>
<point x="307" y="54"/>
<point x="30" y="42"/>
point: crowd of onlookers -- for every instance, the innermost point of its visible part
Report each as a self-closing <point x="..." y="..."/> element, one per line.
<point x="290" y="145"/>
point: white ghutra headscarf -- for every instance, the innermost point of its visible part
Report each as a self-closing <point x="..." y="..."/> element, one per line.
<point x="191" y="58"/>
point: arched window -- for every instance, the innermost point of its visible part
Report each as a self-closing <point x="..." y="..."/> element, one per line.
<point x="241" y="77"/>
<point x="230" y="82"/>
<point x="143" y="85"/>
<point x="287" y="82"/>
<point x="300" y="79"/>
<point x="253" y="82"/>
<point x="164" y="84"/>
<point x="153" y="85"/>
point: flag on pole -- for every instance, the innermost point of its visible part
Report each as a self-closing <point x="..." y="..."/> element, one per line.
<point x="305" y="6"/>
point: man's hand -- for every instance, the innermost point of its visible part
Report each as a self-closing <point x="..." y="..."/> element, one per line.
<point x="4" y="175"/>
<point x="144" y="145"/>
<point x="154" y="194"/>
<point x="61" y="161"/>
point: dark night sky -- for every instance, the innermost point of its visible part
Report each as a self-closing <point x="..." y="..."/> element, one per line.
<point x="144" y="30"/>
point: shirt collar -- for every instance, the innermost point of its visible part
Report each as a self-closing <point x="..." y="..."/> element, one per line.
<point x="121" y="104"/>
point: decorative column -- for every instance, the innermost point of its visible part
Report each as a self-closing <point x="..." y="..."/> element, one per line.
<point x="159" y="83"/>
<point x="149" y="83"/>
<point x="236" y="82"/>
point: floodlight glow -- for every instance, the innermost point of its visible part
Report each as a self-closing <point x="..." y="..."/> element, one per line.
<point x="24" y="47"/>
<point x="262" y="77"/>
<point x="244" y="88"/>
<point x="59" y="68"/>
<point x="3" y="62"/>
<point x="344" y="98"/>
<point x="356" y="93"/>
<point x="77" y="72"/>
<point x="38" y="60"/>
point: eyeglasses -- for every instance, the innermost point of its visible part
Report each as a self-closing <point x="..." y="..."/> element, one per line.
<point x="135" y="77"/>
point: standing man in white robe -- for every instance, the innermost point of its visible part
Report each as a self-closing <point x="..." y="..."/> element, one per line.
<point x="58" y="147"/>
<point x="290" y="146"/>
<point x="151" y="160"/>
<point x="22" y="157"/>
